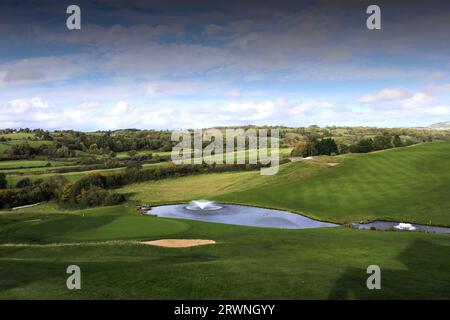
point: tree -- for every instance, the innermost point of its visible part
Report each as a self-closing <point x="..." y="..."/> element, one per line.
<point x="133" y="165"/>
<point x="363" y="146"/>
<point x="299" y="149"/>
<point x="311" y="148"/>
<point x="396" y="141"/>
<point x="3" y="181"/>
<point x="343" y="148"/>
<point x="132" y="153"/>
<point x="24" y="183"/>
<point x="327" y="147"/>
<point x="382" y="142"/>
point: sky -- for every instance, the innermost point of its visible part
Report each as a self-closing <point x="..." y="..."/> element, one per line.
<point x="196" y="64"/>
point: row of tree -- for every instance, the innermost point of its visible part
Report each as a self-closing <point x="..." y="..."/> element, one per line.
<point x="95" y="189"/>
<point x="379" y="142"/>
<point x="32" y="192"/>
<point x="327" y="146"/>
<point x="314" y="147"/>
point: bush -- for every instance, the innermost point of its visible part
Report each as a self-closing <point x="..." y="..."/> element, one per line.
<point x="363" y="146"/>
<point x="3" y="181"/>
<point x="113" y="198"/>
<point x="37" y="191"/>
<point x="24" y="183"/>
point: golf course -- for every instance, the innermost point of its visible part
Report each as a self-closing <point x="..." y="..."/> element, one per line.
<point x="408" y="184"/>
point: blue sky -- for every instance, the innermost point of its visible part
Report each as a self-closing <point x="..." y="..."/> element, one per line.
<point x="191" y="64"/>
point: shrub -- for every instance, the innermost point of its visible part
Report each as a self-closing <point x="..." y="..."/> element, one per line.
<point x="24" y="183"/>
<point x="39" y="190"/>
<point x="3" y="181"/>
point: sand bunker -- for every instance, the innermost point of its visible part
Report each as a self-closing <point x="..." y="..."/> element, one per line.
<point x="333" y="164"/>
<point x="178" y="243"/>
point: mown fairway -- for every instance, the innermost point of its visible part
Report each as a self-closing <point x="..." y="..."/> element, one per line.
<point x="404" y="184"/>
<point x="245" y="263"/>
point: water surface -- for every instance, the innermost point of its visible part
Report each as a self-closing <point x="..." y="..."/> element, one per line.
<point x="389" y="225"/>
<point x="241" y="215"/>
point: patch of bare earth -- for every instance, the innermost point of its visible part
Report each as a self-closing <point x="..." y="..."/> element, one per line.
<point x="178" y="243"/>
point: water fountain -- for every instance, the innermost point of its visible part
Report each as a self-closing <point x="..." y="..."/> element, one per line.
<point x="405" y="226"/>
<point x="389" y="225"/>
<point x="203" y="205"/>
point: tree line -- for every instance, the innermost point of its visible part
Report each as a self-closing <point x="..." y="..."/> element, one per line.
<point x="328" y="146"/>
<point x="97" y="189"/>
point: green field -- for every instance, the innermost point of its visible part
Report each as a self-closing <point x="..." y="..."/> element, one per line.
<point x="14" y="176"/>
<point x="35" y="169"/>
<point x="259" y="263"/>
<point x="409" y="184"/>
<point x="18" y="164"/>
<point x="3" y="147"/>
<point x="20" y="138"/>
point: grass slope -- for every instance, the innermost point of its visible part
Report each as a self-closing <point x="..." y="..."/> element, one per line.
<point x="246" y="263"/>
<point x="409" y="184"/>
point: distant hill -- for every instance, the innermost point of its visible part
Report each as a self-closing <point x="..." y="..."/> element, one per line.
<point x="440" y="125"/>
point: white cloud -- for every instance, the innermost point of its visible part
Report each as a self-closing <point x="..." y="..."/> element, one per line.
<point x="23" y="106"/>
<point x="418" y="100"/>
<point x="33" y="112"/>
<point x="88" y="106"/>
<point x="440" y="110"/>
<point x="176" y="113"/>
<point x="400" y="105"/>
<point x="250" y="111"/>
<point x="122" y="108"/>
<point x="398" y="98"/>
<point x="309" y="105"/>
<point x="387" y="94"/>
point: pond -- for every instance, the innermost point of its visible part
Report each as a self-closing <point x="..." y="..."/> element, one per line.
<point x="390" y="225"/>
<point x="237" y="214"/>
<point x="208" y="211"/>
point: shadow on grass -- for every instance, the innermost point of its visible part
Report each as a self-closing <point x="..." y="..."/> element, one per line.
<point x="42" y="274"/>
<point x="426" y="276"/>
